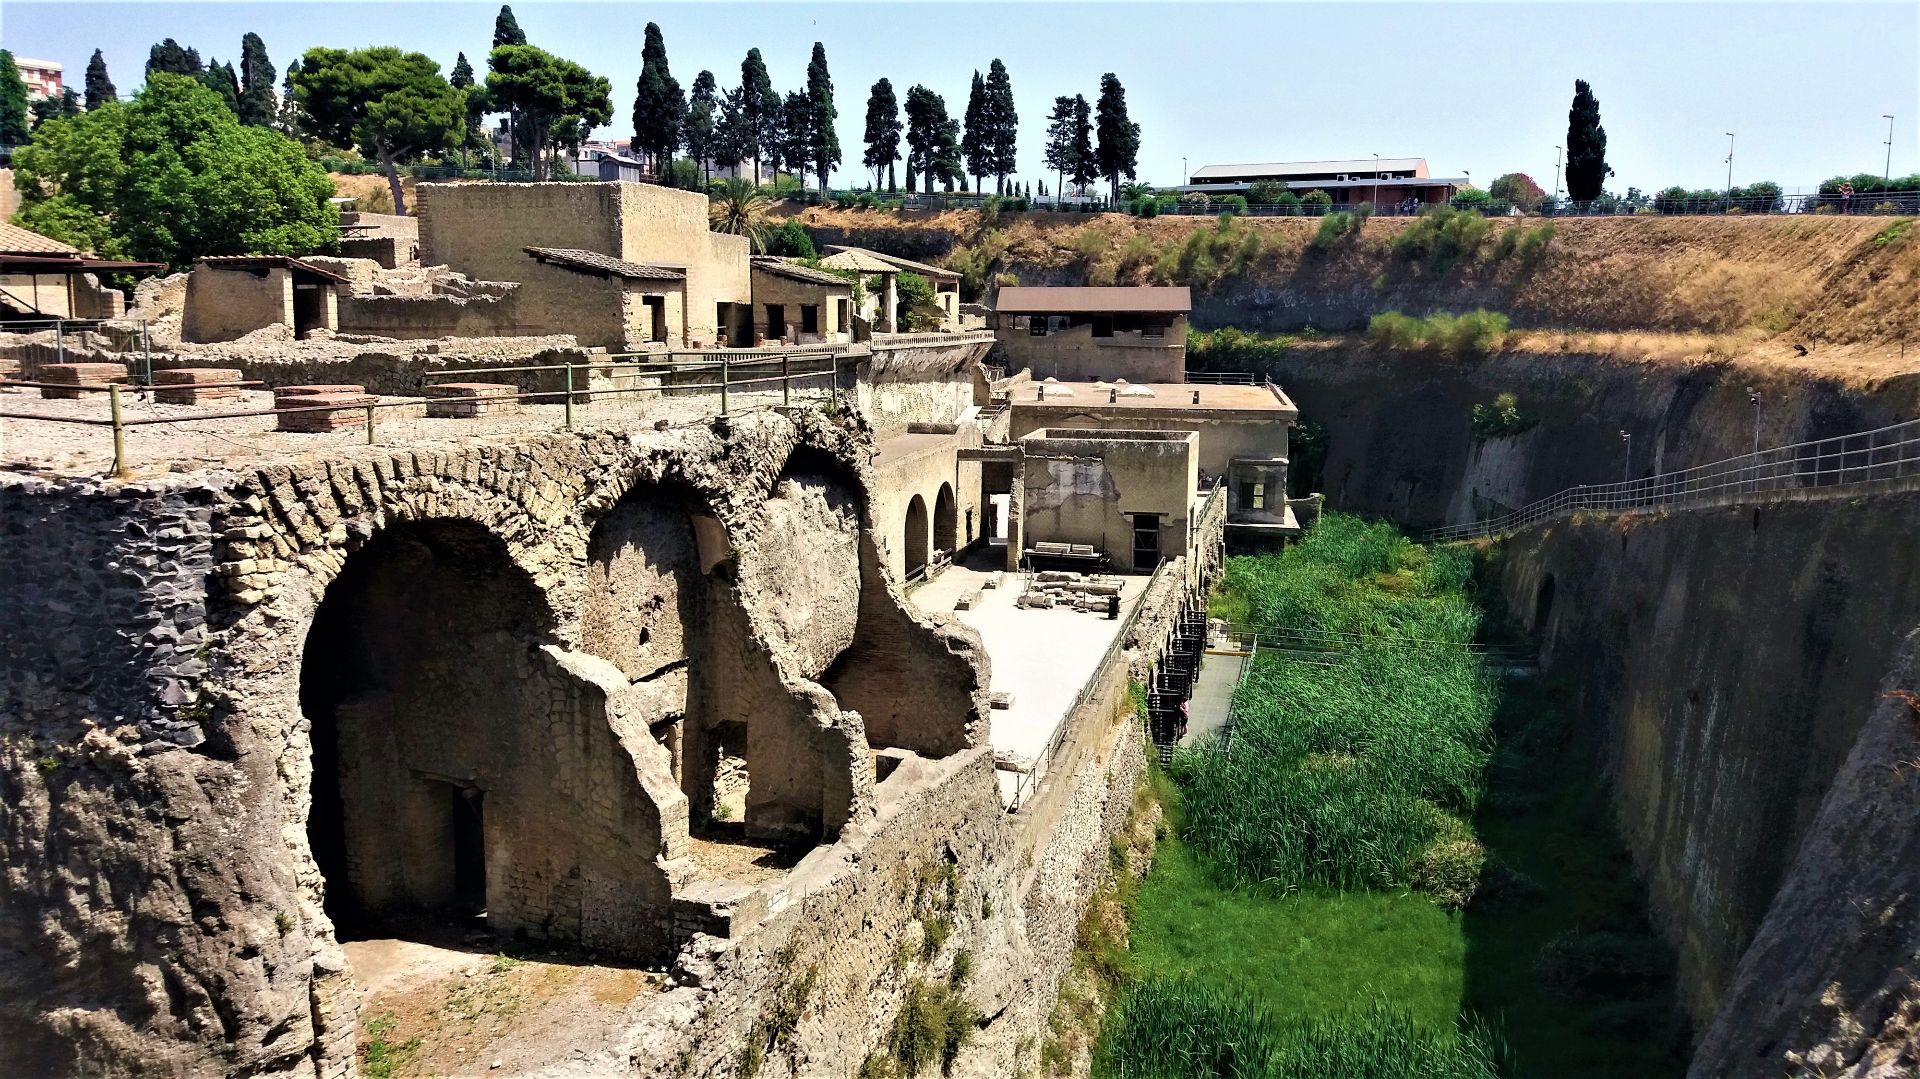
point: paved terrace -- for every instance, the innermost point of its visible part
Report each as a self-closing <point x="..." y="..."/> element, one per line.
<point x="1041" y="657"/>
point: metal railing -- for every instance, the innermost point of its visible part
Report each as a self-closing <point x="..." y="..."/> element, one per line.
<point x="63" y="328"/>
<point x="1844" y="461"/>
<point x="576" y="384"/>
<point x="1220" y="378"/>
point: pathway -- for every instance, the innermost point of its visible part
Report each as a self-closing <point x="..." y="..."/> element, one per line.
<point x="1211" y="708"/>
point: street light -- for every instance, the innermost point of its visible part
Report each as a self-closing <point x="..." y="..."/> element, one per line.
<point x="1556" y="173"/>
<point x="1729" y="167"/>
<point x="1886" y="178"/>
<point x="1376" y="182"/>
<point x="1753" y="464"/>
<point x="1626" y="467"/>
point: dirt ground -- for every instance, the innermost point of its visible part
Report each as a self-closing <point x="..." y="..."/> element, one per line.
<point x="458" y="1010"/>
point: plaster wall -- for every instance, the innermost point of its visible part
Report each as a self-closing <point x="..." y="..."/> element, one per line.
<point x="1085" y="487"/>
<point x="1223" y="435"/>
<point x="774" y="288"/>
<point x="224" y="304"/>
<point x="1074" y="354"/>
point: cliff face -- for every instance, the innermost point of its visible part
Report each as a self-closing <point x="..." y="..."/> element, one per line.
<point x="1727" y="662"/>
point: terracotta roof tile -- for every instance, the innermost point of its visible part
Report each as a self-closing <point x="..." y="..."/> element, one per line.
<point x="595" y="262"/>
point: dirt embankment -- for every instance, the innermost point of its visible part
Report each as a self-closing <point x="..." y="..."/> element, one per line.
<point x="1805" y="279"/>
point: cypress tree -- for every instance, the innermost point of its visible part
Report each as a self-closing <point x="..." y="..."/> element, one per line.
<point x="760" y="109"/>
<point x="506" y="29"/>
<point x="99" y="88"/>
<point x="1003" y="126"/>
<point x="659" y="107"/>
<point x="256" y="83"/>
<point x="169" y="56"/>
<point x="700" y="129"/>
<point x="1086" y="163"/>
<point x="1119" y="151"/>
<point x="882" y="135"/>
<point x="826" y="140"/>
<point x="796" y="133"/>
<point x="221" y="79"/>
<point x="1586" y="146"/>
<point x="976" y="146"/>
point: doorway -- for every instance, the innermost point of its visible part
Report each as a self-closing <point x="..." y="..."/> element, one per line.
<point x="776" y="321"/>
<point x="1146" y="541"/>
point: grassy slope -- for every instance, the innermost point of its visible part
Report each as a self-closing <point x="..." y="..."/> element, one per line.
<point x="1317" y="952"/>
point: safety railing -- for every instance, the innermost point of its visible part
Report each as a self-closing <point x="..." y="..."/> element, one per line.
<point x="1220" y="378"/>
<point x="65" y="329"/>
<point x="1844" y="461"/>
<point x="576" y="385"/>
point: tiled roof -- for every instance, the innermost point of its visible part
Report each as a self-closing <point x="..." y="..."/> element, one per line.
<point x="798" y="272"/>
<point x="899" y="263"/>
<point x="15" y="240"/>
<point x="1365" y="166"/>
<point x="269" y="262"/>
<point x="595" y="262"/>
<point x="854" y="258"/>
<point x="1065" y="300"/>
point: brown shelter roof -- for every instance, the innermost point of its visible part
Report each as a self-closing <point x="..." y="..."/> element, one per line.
<point x="605" y="265"/>
<point x="271" y="262"/>
<point x="797" y="272"/>
<point x="15" y="240"/>
<point x="859" y="258"/>
<point x="1067" y="300"/>
<point x="899" y="263"/>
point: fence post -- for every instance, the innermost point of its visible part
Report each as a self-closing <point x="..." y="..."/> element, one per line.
<point x="119" y="439"/>
<point x="568" y="398"/>
<point x="833" y="380"/>
<point x="369" y="423"/>
<point x="723" y="383"/>
<point x="786" y="380"/>
<point x="146" y="349"/>
<point x="60" y="341"/>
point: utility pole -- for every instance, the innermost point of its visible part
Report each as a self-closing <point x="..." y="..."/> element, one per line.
<point x="1729" y="168"/>
<point x="1753" y="463"/>
<point x="1556" y="173"/>
<point x="1626" y="467"/>
<point x="1376" y="183"/>
<point x="1886" y="178"/>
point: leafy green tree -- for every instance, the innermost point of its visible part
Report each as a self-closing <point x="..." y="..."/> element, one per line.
<point x="796" y="133"/>
<point x="54" y="108"/>
<point x="734" y="139"/>
<point x="1003" y="125"/>
<point x="739" y="208"/>
<point x="701" y="105"/>
<point x="100" y="89"/>
<point x="506" y="29"/>
<point x="393" y="105"/>
<point x="976" y="145"/>
<point x="825" y="139"/>
<point x="1518" y="189"/>
<point x="792" y="241"/>
<point x="476" y="143"/>
<point x="170" y="57"/>
<point x="1070" y="140"/>
<point x="170" y="177"/>
<point x="659" y="107"/>
<point x="257" y="106"/>
<point x="761" y="109"/>
<point x="882" y="135"/>
<point x="1587" y="167"/>
<point x="929" y="134"/>
<point x="550" y="95"/>
<point x="1059" y="152"/>
<point x="1119" y="151"/>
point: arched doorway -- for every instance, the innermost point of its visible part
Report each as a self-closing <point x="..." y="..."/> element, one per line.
<point x="915" y="548"/>
<point x="415" y="681"/>
<point x="1543" y="605"/>
<point x="946" y="521"/>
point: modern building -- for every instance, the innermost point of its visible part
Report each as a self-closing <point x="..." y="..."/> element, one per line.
<point x="1242" y="434"/>
<point x="44" y="78"/>
<point x="1080" y="334"/>
<point x="1385" y="181"/>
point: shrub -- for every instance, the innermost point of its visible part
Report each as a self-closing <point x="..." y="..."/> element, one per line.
<point x="791" y="240"/>
<point x="1475" y="333"/>
<point x="933" y="1025"/>
<point x="922" y="310"/>
<point x="1442" y="236"/>
<point x="1235" y="204"/>
<point x="1333" y="228"/>
<point x="1316" y="201"/>
<point x="1148" y="208"/>
<point x="1502" y="418"/>
<point x="1535" y="242"/>
<point x="1518" y="189"/>
<point x="1893" y="233"/>
<point x="1266" y="192"/>
<point x="1472" y="199"/>
<point x="1289" y="204"/>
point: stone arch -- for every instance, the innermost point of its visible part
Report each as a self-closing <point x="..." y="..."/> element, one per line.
<point x="463" y="766"/>
<point x="946" y="520"/>
<point x="1543" y="598"/>
<point x="916" y="535"/>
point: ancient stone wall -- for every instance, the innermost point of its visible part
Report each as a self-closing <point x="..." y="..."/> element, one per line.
<point x="162" y="708"/>
<point x="1075" y="355"/>
<point x="224" y="304"/>
<point x="1726" y="660"/>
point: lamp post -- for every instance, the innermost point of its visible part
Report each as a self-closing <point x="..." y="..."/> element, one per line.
<point x="1626" y="466"/>
<point x="1886" y="178"/>
<point x="1729" y="168"/>
<point x="1753" y="395"/>
<point x="1376" y="182"/>
<point x="1556" y="173"/>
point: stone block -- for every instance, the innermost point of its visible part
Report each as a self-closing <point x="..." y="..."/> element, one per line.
<point x="80" y="376"/>
<point x="465" y="400"/>
<point x="344" y="411"/>
<point x="193" y="385"/>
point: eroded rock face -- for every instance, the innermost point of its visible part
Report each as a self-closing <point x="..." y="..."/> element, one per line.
<point x="809" y="552"/>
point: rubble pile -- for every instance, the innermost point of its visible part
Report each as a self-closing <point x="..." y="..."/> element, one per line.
<point x="1065" y="588"/>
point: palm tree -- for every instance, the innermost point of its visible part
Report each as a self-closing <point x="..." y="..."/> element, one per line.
<point x="739" y="208"/>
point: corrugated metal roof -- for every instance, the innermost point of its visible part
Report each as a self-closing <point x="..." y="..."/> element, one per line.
<point x="904" y="264"/>
<point x="797" y="272"/>
<point x="595" y="262"/>
<point x="1282" y="168"/>
<point x="269" y="262"/>
<point x="15" y="240"/>
<point x="860" y="259"/>
<point x="1060" y="300"/>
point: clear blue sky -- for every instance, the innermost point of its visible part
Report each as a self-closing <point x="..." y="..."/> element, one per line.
<point x="1481" y="88"/>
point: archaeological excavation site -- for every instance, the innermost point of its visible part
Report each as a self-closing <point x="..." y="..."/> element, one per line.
<point x="546" y="635"/>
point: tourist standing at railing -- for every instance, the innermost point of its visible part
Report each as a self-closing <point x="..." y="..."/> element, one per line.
<point x="1846" y="198"/>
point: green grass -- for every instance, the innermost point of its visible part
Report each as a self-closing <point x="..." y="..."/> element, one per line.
<point x="1398" y="848"/>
